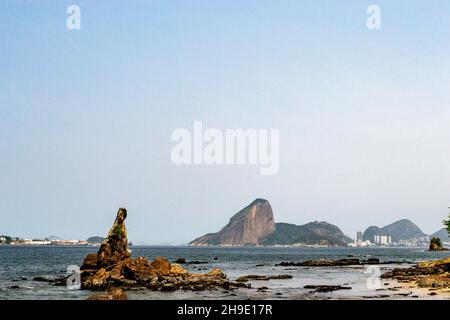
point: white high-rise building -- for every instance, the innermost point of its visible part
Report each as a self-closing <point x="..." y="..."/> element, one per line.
<point x="382" y="239"/>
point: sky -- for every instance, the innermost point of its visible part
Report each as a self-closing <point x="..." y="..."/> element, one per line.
<point x="86" y="115"/>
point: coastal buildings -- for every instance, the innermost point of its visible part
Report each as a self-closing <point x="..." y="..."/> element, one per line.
<point x="420" y="242"/>
<point x="359" y="242"/>
<point x="382" y="239"/>
<point x="359" y="236"/>
<point x="45" y="242"/>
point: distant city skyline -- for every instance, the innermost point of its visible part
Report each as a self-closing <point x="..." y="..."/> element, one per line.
<point x="86" y="115"/>
<point x="358" y="237"/>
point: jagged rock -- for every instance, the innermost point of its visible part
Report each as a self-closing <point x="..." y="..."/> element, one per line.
<point x="115" y="246"/>
<point x="161" y="264"/>
<point x="431" y="274"/>
<point x="112" y="267"/>
<point x="140" y="270"/>
<point x="97" y="281"/>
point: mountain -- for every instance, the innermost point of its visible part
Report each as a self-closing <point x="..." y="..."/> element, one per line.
<point x="403" y="230"/>
<point x="95" y="240"/>
<point x="313" y="233"/>
<point x="255" y="225"/>
<point x="400" y="230"/>
<point x="247" y="227"/>
<point x="442" y="234"/>
<point x="370" y="233"/>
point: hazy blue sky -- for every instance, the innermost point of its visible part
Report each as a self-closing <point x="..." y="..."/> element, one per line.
<point x="86" y="115"/>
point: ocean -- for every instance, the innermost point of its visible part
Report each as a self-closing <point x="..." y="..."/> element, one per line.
<point x="19" y="265"/>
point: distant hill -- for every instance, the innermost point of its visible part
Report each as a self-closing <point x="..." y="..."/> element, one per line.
<point x="400" y="230"/>
<point x="95" y="240"/>
<point x="404" y="230"/>
<point x="313" y="233"/>
<point x="370" y="233"/>
<point x="255" y="225"/>
<point x="247" y="227"/>
<point x="53" y="238"/>
<point x="442" y="234"/>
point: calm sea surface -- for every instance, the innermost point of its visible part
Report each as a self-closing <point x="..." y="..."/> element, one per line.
<point x="20" y="264"/>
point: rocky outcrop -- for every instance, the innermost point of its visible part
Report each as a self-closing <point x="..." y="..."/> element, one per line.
<point x="247" y="227"/>
<point x="263" y="278"/>
<point x="436" y="245"/>
<point x="442" y="234"/>
<point x="112" y="268"/>
<point x="255" y="225"/>
<point x="429" y="274"/>
<point x="334" y="263"/>
<point x="326" y="288"/>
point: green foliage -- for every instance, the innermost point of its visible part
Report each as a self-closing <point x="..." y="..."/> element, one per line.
<point x="437" y="241"/>
<point x="118" y="231"/>
<point x="313" y="233"/>
<point x="447" y="223"/>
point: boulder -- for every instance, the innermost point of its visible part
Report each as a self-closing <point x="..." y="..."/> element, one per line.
<point x="96" y="281"/>
<point x="161" y="264"/>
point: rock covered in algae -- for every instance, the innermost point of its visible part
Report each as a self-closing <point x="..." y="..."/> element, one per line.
<point x="431" y="274"/>
<point x="112" y="267"/>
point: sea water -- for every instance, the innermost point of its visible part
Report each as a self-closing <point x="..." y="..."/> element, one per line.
<point x="19" y="265"/>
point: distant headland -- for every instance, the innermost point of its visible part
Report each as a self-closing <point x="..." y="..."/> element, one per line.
<point x="255" y="225"/>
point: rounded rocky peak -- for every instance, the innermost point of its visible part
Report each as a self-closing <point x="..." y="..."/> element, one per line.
<point x="259" y="201"/>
